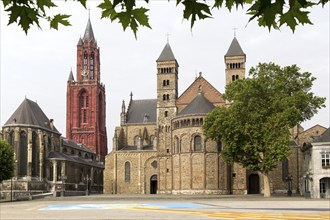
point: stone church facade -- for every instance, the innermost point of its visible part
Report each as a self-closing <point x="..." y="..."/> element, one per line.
<point x="159" y="146"/>
<point x="44" y="160"/>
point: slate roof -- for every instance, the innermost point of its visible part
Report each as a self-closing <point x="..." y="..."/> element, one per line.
<point x="75" y="145"/>
<point x="199" y="105"/>
<point x="30" y="114"/>
<point x="54" y="155"/>
<point x="235" y="49"/>
<point x="324" y="137"/>
<point x="89" y="35"/>
<point x="166" y="54"/>
<point x="138" y="109"/>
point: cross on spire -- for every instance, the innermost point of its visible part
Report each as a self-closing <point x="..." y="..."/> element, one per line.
<point x="168" y="36"/>
<point x="234" y="31"/>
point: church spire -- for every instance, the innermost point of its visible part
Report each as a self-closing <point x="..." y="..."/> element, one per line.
<point x="234" y="49"/>
<point x="167" y="54"/>
<point x="89" y="35"/>
<point x="71" y="76"/>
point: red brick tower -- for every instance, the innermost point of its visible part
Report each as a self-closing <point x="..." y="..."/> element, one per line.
<point x="85" y="107"/>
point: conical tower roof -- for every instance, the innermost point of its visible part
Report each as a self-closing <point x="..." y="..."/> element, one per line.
<point x="89" y="35"/>
<point x="30" y="114"/>
<point x="71" y="76"/>
<point x="167" y="54"/>
<point x="199" y="105"/>
<point x="235" y="49"/>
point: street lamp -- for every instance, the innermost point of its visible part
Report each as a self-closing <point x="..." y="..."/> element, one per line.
<point x="63" y="178"/>
<point x="87" y="179"/>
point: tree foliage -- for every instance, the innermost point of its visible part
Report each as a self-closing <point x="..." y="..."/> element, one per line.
<point x="268" y="13"/>
<point x="255" y="127"/>
<point x="6" y="161"/>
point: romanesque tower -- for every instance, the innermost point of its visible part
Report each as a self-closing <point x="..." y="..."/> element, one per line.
<point x="235" y="60"/>
<point x="85" y="115"/>
<point x="167" y="94"/>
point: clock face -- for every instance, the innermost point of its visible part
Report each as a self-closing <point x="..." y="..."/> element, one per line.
<point x="84" y="74"/>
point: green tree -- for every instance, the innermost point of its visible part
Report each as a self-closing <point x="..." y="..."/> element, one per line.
<point x="6" y="161"/>
<point x="271" y="14"/>
<point x="255" y="127"/>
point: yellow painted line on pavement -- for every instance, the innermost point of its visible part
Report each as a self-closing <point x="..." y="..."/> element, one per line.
<point x="245" y="215"/>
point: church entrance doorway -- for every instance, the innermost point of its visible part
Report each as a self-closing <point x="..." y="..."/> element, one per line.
<point x="254" y="184"/>
<point x="153" y="184"/>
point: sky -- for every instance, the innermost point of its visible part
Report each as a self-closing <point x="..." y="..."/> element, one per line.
<point x="37" y="65"/>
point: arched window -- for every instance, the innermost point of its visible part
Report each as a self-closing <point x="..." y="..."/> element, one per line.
<point x="91" y="66"/>
<point x="127" y="172"/>
<point x="164" y="97"/>
<point x="84" y="103"/>
<point x="23" y="154"/>
<point x="35" y="155"/>
<point x="85" y="65"/>
<point x="10" y="138"/>
<point x="237" y="76"/>
<point x="197" y="143"/>
<point x="177" y="145"/>
<point x="233" y="78"/>
<point x="167" y="97"/>
<point x="51" y="172"/>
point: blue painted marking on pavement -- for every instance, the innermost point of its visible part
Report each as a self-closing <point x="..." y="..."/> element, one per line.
<point x="124" y="206"/>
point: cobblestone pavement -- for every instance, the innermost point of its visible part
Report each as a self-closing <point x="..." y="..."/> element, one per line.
<point x="167" y="207"/>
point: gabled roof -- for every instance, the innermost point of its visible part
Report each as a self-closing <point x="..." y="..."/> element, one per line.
<point x="89" y="35"/>
<point x="167" y="54"/>
<point x="30" y="114"/>
<point x="200" y="105"/>
<point x="234" y="49"/>
<point x="142" y="111"/>
<point x="209" y="92"/>
<point x="72" y="144"/>
<point x="324" y="137"/>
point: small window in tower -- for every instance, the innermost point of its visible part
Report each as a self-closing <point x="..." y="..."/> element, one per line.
<point x="85" y="60"/>
<point x="237" y="77"/>
<point x="166" y="113"/>
<point x="85" y="116"/>
<point x="91" y="69"/>
<point x="164" y="97"/>
<point x="87" y="102"/>
<point x="167" y="97"/>
<point x="233" y="78"/>
<point x="167" y="82"/>
<point x="82" y="101"/>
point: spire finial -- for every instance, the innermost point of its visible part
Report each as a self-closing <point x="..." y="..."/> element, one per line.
<point x="168" y="37"/>
<point x="234" y="31"/>
<point x="89" y="12"/>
